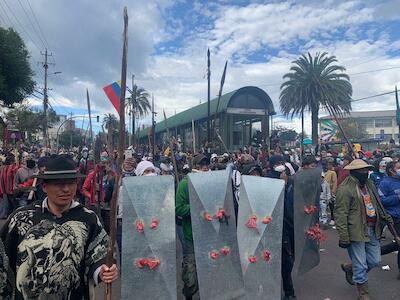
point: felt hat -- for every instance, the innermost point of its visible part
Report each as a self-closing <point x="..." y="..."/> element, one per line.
<point x="60" y="167"/>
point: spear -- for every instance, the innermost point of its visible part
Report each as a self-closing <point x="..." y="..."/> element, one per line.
<point x="121" y="147"/>
<point x="172" y="149"/>
<point x="221" y="86"/>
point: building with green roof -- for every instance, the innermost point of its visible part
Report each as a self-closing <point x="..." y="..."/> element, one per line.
<point x="242" y="119"/>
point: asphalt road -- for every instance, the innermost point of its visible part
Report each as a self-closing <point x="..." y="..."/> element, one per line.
<point x="324" y="282"/>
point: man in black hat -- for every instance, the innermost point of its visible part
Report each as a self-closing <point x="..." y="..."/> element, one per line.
<point x="56" y="248"/>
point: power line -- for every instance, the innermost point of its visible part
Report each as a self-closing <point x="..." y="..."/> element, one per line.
<point x="5" y="13"/>
<point x="21" y="26"/>
<point x="373" y="96"/>
<point x="376" y="70"/>
<point x="33" y="26"/>
<point x="40" y="28"/>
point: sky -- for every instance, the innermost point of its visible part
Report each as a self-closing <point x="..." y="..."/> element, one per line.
<point x="168" y="42"/>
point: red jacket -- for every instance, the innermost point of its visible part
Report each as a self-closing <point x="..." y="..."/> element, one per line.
<point x="89" y="186"/>
<point x="7" y="175"/>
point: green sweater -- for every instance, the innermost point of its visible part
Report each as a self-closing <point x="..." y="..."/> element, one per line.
<point x="182" y="208"/>
<point x="350" y="215"/>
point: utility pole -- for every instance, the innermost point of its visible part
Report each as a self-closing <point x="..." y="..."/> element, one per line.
<point x="45" y="97"/>
<point x="208" y="96"/>
<point x="90" y="119"/>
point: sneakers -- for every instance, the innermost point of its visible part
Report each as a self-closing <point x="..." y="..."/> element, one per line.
<point x="348" y="270"/>
<point x="332" y="223"/>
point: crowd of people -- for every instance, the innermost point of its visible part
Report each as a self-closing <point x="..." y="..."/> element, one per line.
<point x="37" y="189"/>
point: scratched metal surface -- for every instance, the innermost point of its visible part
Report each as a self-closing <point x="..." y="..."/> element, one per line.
<point x="220" y="278"/>
<point x="145" y="198"/>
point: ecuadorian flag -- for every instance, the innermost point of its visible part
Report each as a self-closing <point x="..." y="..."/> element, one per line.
<point x="113" y="92"/>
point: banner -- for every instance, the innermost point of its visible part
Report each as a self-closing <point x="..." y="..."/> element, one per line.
<point x="328" y="130"/>
<point x="113" y="92"/>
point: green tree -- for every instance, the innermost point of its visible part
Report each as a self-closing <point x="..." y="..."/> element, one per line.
<point x="75" y="136"/>
<point x="139" y="103"/>
<point x="29" y="120"/>
<point x="15" y="72"/>
<point x="314" y="83"/>
<point x="353" y="129"/>
<point x="111" y="123"/>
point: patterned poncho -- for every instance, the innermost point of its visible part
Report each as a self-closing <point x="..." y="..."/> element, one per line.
<point x="49" y="257"/>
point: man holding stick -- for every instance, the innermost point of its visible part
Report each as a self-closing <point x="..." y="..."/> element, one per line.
<point x="56" y="247"/>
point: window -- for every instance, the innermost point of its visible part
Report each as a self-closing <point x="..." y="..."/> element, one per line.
<point x="383" y="122"/>
<point x="366" y="123"/>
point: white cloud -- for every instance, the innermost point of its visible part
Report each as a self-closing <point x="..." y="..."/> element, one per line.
<point x="87" y="47"/>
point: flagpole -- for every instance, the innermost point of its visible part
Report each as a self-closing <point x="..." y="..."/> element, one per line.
<point x="121" y="147"/>
<point x="208" y="97"/>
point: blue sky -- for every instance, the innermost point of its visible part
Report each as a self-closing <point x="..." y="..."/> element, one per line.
<point x="168" y="41"/>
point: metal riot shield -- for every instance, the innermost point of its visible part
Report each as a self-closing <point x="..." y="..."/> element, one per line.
<point x="148" y="238"/>
<point x="307" y="234"/>
<point x="259" y="234"/>
<point x="214" y="235"/>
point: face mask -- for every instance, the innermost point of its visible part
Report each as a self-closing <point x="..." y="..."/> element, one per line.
<point x="362" y="177"/>
<point x="85" y="155"/>
<point x="150" y="174"/>
<point x="318" y="158"/>
<point x="383" y="171"/>
<point x="30" y="163"/>
<point x="280" y="168"/>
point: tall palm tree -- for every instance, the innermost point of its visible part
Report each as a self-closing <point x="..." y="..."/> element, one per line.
<point x="314" y="83"/>
<point x="138" y="103"/>
<point x="111" y="123"/>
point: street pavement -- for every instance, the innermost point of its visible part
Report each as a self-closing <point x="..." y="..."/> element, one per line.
<point x="324" y="282"/>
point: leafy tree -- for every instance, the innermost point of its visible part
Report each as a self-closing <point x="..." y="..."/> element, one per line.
<point x="352" y="129"/>
<point x="75" y="136"/>
<point x="139" y="103"/>
<point x="314" y="83"/>
<point x="15" y="72"/>
<point x="29" y="120"/>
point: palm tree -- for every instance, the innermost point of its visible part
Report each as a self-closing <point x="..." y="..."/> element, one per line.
<point x="111" y="123"/>
<point x="138" y="104"/>
<point x="315" y="83"/>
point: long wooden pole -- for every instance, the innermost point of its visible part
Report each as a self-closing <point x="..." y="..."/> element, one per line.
<point x="121" y="147"/>
<point x="194" y="137"/>
<point x="172" y="150"/>
<point x="90" y="119"/>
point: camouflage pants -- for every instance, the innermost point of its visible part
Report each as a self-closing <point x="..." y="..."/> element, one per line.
<point x="189" y="273"/>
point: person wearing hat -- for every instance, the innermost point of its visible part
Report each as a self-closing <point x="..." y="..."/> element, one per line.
<point x="278" y="171"/>
<point x="200" y="163"/>
<point x="359" y="220"/>
<point x="24" y="173"/>
<point x="55" y="248"/>
<point x="389" y="191"/>
<point x="253" y="170"/>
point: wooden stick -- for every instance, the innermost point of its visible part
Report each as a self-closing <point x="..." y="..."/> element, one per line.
<point x="121" y="147"/>
<point x="172" y="150"/>
<point x="32" y="193"/>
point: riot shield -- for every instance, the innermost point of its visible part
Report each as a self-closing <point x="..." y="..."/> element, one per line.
<point x="214" y="236"/>
<point x="259" y="234"/>
<point x="148" y="238"/>
<point x="307" y="234"/>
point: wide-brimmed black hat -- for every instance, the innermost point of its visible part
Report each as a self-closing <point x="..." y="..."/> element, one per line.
<point x="60" y="167"/>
